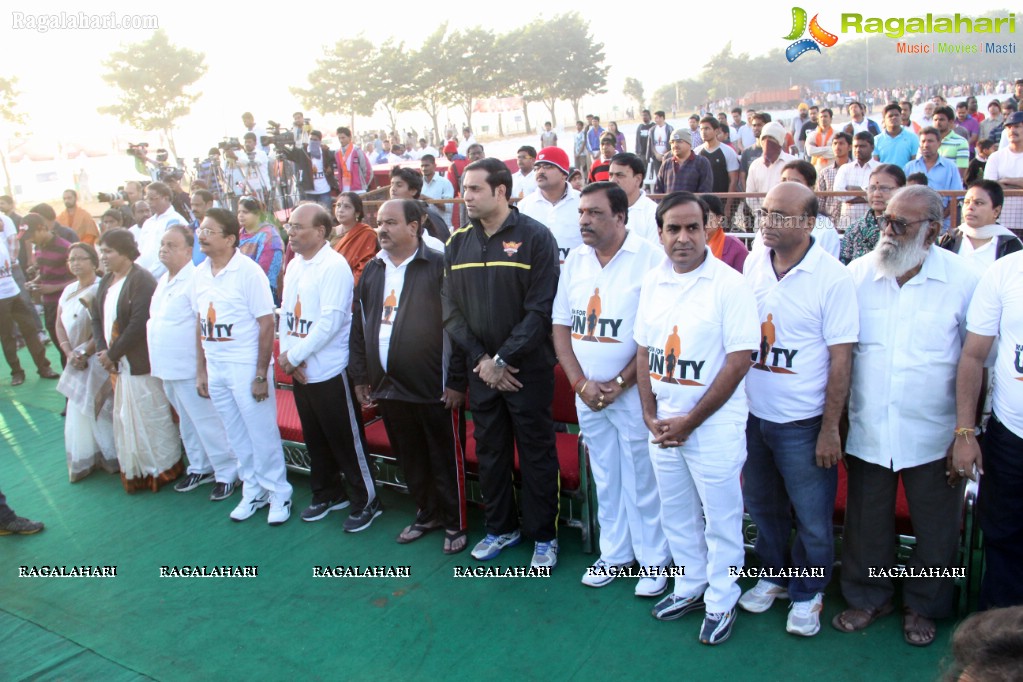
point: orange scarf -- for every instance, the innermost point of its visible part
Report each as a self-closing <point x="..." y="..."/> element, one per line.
<point x="717" y="243"/>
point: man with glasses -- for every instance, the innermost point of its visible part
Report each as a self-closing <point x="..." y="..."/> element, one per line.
<point x="942" y="173"/>
<point x="913" y="298"/>
<point x="797" y="390"/>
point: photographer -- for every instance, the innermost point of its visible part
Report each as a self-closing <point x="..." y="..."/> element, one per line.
<point x="316" y="170"/>
<point x="180" y="201"/>
<point x="211" y="174"/>
<point x="302" y="129"/>
<point x="248" y="170"/>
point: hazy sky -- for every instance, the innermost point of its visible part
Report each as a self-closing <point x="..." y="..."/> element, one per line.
<point x="253" y="55"/>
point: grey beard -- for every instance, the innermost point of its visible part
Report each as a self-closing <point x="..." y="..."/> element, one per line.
<point x="894" y="260"/>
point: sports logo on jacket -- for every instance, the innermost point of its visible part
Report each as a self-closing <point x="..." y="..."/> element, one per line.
<point x="511" y="248"/>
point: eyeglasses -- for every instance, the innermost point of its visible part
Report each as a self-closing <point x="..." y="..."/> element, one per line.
<point x="881" y="188"/>
<point x="899" y="227"/>
<point x="775" y="219"/>
<point x="207" y="231"/>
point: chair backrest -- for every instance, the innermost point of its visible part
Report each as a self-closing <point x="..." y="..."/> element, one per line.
<point x="563" y="407"/>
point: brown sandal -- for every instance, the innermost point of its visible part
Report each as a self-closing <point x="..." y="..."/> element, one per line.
<point x="917" y="630"/>
<point x="455" y="541"/>
<point x="854" y="620"/>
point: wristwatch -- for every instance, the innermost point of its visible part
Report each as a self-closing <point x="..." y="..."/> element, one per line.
<point x="260" y="380"/>
<point x="620" y="381"/>
<point x="499" y="363"/>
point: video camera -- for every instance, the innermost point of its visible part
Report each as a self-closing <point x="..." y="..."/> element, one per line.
<point x="277" y="138"/>
<point x="230" y="144"/>
<point x="171" y="173"/>
<point x="139" y="150"/>
<point x="109" y="197"/>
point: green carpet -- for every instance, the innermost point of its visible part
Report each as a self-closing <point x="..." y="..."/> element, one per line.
<point x="286" y="624"/>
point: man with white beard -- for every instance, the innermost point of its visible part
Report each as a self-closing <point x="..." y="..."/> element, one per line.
<point x="913" y="299"/>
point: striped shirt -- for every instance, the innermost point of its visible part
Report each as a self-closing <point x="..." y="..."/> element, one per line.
<point x="956" y="149"/>
<point x="51" y="260"/>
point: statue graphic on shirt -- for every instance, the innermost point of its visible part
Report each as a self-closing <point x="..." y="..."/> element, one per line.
<point x="390" y="304"/>
<point x="672" y="351"/>
<point x="211" y="319"/>
<point x="593" y="310"/>
<point x="767" y="339"/>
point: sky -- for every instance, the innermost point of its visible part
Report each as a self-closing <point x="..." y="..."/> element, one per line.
<point x="254" y="55"/>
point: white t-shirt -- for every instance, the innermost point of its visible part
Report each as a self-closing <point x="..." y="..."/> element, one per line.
<point x="852" y="174"/>
<point x="171" y="327"/>
<point x="689" y="323"/>
<point x="561" y="218"/>
<point x="320" y="184"/>
<point x="761" y="178"/>
<point x="148" y="240"/>
<point x="8" y="287"/>
<point x="523" y="184"/>
<point x="997" y="310"/>
<point x="902" y="401"/>
<point x="10" y="237"/>
<point x="394" y="284"/>
<point x="809" y="309"/>
<point x="228" y="305"/>
<point x="1007" y="164"/>
<point x="316" y="313"/>
<point x="731" y="158"/>
<point x="660" y="138"/>
<point x="599" y="304"/>
<point x="643" y="220"/>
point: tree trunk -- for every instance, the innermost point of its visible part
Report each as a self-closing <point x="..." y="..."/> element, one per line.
<point x="467" y="110"/>
<point x="550" y="107"/>
<point x="170" y="143"/>
<point x="575" y="107"/>
<point x="353" y="123"/>
<point x="7" y="175"/>
<point x="525" y="115"/>
<point x="500" y="124"/>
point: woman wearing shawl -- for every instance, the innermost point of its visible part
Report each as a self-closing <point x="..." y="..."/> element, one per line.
<point x="261" y="242"/>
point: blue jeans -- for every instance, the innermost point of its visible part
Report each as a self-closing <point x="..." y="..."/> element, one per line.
<point x="782" y="486"/>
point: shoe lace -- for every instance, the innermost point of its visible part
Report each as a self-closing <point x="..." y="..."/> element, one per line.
<point x="490" y="539"/>
<point x="803" y="609"/>
<point x="542" y="548"/>
<point x="716" y="617"/>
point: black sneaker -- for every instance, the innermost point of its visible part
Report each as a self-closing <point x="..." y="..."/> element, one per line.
<point x="193" y="481"/>
<point x="717" y="627"/>
<point x="19" y="525"/>
<point x="221" y="491"/>
<point x="318" y="510"/>
<point x="362" y="519"/>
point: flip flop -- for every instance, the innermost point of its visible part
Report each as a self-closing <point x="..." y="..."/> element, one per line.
<point x="416" y="531"/>
<point x="452" y="537"/>
<point x="917" y="630"/>
<point x="854" y="620"/>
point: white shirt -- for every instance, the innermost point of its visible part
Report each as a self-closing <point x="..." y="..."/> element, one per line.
<point x="8" y="287"/>
<point x="316" y="313"/>
<point x="902" y="403"/>
<point x="171" y="327"/>
<point x="643" y="219"/>
<point x="1006" y="163"/>
<point x="394" y="284"/>
<point x="149" y="237"/>
<point x="861" y="127"/>
<point x="997" y="310"/>
<point x="761" y="178"/>
<point x="228" y="304"/>
<point x="523" y="184"/>
<point x="659" y="138"/>
<point x="561" y="218"/>
<point x="599" y="304"/>
<point x="852" y="174"/>
<point x="432" y="242"/>
<point x="744" y="135"/>
<point x="689" y="323"/>
<point x="440" y="187"/>
<point x="320" y="184"/>
<point x="10" y="237"/>
<point x="809" y="309"/>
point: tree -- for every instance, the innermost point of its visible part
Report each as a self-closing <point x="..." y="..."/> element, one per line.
<point x="524" y="69"/>
<point x="153" y="77"/>
<point x="396" y="79"/>
<point x="634" y="90"/>
<point x="344" y="80"/>
<point x="475" y="64"/>
<point x="10" y="114"/>
<point x="432" y="75"/>
<point x="578" y="62"/>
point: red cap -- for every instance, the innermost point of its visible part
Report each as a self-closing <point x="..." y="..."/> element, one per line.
<point x="451" y="147"/>
<point x="555" y="156"/>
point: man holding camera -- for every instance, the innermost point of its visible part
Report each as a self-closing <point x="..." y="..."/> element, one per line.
<point x="317" y="175"/>
<point x="249" y="174"/>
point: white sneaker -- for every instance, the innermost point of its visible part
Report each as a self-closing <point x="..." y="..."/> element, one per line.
<point x="545" y="554"/>
<point x="651" y="586"/>
<point x="249" y="506"/>
<point x="805" y="616"/>
<point x="280" y="510"/>
<point x="760" y="598"/>
<point x="601" y="573"/>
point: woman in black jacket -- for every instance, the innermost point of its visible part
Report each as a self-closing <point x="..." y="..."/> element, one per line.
<point x="148" y="447"/>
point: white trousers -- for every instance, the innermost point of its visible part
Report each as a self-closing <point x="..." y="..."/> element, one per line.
<point x="251" y="429"/>
<point x="202" y="432"/>
<point x="701" y="511"/>
<point x="628" y="506"/>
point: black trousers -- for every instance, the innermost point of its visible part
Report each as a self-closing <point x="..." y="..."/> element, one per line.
<point x="424" y="437"/>
<point x="19" y="277"/>
<point x="335" y="440"/>
<point x="50" y="311"/>
<point x="935" y="510"/>
<point x="13" y="310"/>
<point x="503" y="420"/>
<point x="6" y="513"/>
<point x="1000" y="508"/>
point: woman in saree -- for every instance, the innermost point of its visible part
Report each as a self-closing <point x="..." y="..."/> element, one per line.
<point x="261" y="242"/>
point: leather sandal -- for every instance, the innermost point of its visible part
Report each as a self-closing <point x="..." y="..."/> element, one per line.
<point x="854" y="620"/>
<point x="917" y="630"/>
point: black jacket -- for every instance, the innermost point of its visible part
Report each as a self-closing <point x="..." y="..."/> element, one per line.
<point x="418" y="354"/>
<point x="1004" y="245"/>
<point x="499" y="291"/>
<point x="304" y="165"/>
<point x="132" y="316"/>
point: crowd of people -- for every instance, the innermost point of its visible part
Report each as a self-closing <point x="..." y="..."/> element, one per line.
<point x="710" y="379"/>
